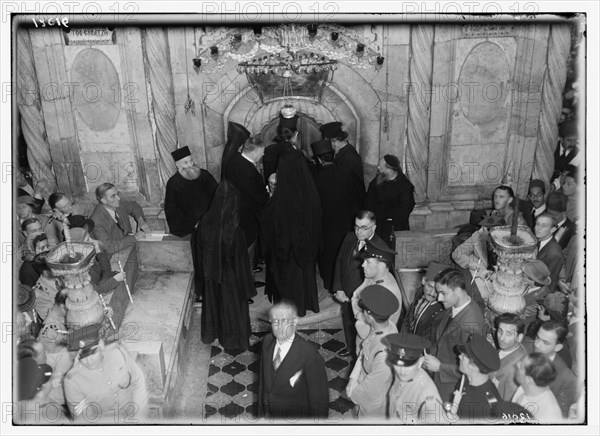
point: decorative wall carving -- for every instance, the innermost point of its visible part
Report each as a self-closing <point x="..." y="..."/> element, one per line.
<point x="97" y="76"/>
<point x="483" y="83"/>
<point x="487" y="30"/>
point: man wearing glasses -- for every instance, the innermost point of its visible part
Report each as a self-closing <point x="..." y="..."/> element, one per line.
<point x="536" y="204"/>
<point x="292" y="378"/>
<point x="349" y="275"/>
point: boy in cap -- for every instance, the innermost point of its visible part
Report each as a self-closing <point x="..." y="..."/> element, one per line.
<point x="413" y="397"/>
<point x="378" y="260"/>
<point x="346" y="155"/>
<point x="104" y="376"/>
<point x="425" y="313"/>
<point x="391" y="197"/>
<point x="188" y="193"/>
<point x="477" y="359"/>
<point x="371" y="376"/>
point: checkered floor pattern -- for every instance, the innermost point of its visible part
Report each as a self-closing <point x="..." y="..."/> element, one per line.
<point x="232" y="389"/>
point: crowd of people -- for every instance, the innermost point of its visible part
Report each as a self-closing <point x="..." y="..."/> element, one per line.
<point x="429" y="359"/>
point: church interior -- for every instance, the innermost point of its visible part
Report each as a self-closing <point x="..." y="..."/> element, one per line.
<point x="463" y="107"/>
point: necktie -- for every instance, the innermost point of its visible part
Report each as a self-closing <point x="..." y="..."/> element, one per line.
<point x="119" y="222"/>
<point x="277" y="360"/>
<point x="533" y="216"/>
<point x="361" y="245"/>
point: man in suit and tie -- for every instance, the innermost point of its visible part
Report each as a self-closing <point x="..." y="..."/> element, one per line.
<point x="349" y="275"/>
<point x="463" y="317"/>
<point x="550" y="340"/>
<point x="549" y="251"/>
<point x="565" y="228"/>
<point x="510" y="331"/>
<point x="536" y="203"/>
<point x="292" y="379"/>
<point x="425" y="313"/>
<point x="111" y="219"/>
<point x="346" y="155"/>
<point x="242" y="169"/>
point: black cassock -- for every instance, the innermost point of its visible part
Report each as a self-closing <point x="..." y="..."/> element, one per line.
<point x="392" y="202"/>
<point x="340" y="200"/>
<point x="185" y="203"/>
<point x="227" y="278"/>
<point x="187" y="200"/>
<point x="290" y="229"/>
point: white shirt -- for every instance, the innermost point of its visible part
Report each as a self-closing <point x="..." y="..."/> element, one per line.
<point x="457" y="310"/>
<point x="539" y="210"/>
<point x="285" y="348"/>
<point x="545" y="407"/>
<point x="543" y="243"/>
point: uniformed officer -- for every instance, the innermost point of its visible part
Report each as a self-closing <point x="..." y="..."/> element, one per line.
<point x="413" y="398"/>
<point x="371" y="376"/>
<point x="479" y="398"/>
<point x="105" y="384"/>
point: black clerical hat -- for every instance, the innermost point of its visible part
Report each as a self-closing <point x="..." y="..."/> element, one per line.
<point x="333" y="130"/>
<point x="322" y="147"/>
<point x="180" y="153"/>
<point x="392" y="161"/>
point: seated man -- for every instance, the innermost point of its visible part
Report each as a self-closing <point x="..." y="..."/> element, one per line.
<point x="536" y="203"/>
<point x="25" y="213"/>
<point x="46" y="287"/>
<point x="30" y="271"/>
<point x="63" y="207"/>
<point x="111" y="219"/>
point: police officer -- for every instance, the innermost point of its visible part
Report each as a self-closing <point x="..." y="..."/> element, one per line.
<point x="479" y="398"/>
<point x="413" y="398"/>
<point x="371" y="376"/>
<point x="105" y="384"/>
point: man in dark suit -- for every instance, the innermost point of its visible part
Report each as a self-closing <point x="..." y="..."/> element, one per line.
<point x="243" y="172"/>
<point x="339" y="202"/>
<point x="463" y="317"/>
<point x="292" y="380"/>
<point x="550" y="340"/>
<point x="349" y="274"/>
<point x="425" y="312"/>
<point x="549" y="251"/>
<point x="536" y="203"/>
<point x="391" y="197"/>
<point x="111" y="219"/>
<point x="565" y="228"/>
<point x="567" y="149"/>
<point x="346" y="155"/>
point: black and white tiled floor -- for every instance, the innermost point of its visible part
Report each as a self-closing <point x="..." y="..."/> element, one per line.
<point x="232" y="383"/>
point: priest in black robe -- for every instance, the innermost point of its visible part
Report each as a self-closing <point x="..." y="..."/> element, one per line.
<point x="339" y="202"/>
<point x="285" y="142"/>
<point x="228" y="279"/>
<point x="188" y="196"/>
<point x="290" y="229"/>
<point x="391" y="198"/>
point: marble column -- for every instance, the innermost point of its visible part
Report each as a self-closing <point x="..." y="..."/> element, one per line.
<point x="552" y="96"/>
<point x="32" y="121"/>
<point x="419" y="102"/>
<point x="163" y="107"/>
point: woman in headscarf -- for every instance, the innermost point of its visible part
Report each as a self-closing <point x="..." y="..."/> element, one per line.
<point x="228" y="283"/>
<point x="290" y="234"/>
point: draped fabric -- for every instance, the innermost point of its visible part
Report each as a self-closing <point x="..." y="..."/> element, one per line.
<point x="228" y="282"/>
<point x="290" y="234"/>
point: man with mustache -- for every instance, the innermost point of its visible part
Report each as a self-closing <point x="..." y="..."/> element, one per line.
<point x="188" y="194"/>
